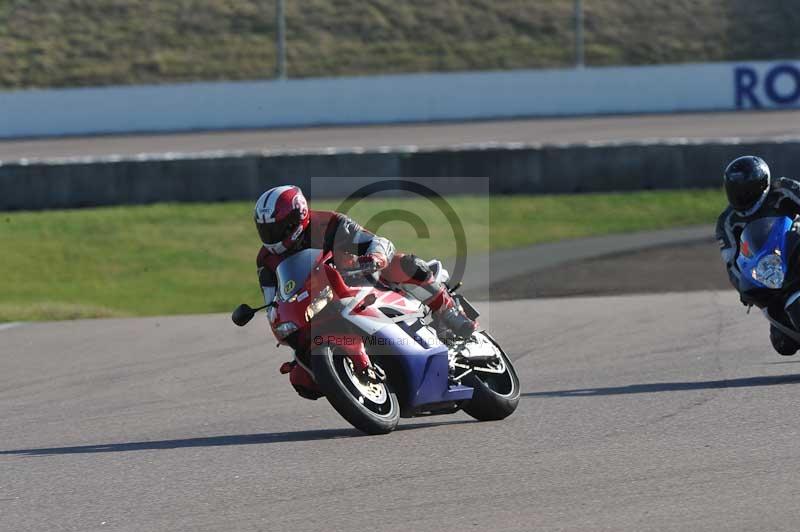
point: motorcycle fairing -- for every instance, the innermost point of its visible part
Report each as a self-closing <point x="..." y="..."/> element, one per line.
<point x="391" y="325"/>
<point x="759" y="239"/>
<point x="425" y="368"/>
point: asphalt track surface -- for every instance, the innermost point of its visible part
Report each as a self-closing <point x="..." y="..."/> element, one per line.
<point x="685" y="267"/>
<point x="743" y="125"/>
<point x="647" y="412"/>
<point x="568" y="267"/>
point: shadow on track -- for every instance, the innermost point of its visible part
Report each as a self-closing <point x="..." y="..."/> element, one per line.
<point x="216" y="441"/>
<point x="656" y="387"/>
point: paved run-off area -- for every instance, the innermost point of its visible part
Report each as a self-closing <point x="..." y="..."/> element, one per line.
<point x="689" y="266"/>
<point x="639" y="412"/>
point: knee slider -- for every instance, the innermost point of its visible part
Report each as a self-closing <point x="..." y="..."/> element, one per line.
<point x="416" y="268"/>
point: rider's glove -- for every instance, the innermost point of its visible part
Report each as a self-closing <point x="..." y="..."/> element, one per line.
<point x="367" y="263"/>
<point x="373" y="262"/>
<point x="378" y="260"/>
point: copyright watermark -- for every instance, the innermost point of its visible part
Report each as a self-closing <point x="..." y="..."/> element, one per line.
<point x="434" y="219"/>
<point x="371" y="341"/>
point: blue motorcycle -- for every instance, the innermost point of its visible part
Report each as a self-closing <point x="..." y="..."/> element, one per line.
<point x="768" y="262"/>
<point x="374" y="354"/>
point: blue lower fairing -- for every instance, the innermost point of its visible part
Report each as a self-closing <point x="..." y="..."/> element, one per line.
<point x="425" y="368"/>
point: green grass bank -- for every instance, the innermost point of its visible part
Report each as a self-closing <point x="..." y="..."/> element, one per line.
<point x="197" y="258"/>
<point x="57" y="43"/>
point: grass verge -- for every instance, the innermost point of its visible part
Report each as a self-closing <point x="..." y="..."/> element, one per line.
<point x="196" y="258"/>
<point x="56" y="43"/>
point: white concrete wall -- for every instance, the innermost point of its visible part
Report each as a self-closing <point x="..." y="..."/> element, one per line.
<point x="401" y="98"/>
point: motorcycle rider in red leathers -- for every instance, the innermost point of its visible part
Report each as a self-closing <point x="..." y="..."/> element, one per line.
<point x="286" y="225"/>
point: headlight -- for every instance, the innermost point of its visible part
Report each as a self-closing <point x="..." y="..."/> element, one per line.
<point x="769" y="271"/>
<point x="319" y="303"/>
<point x="285" y="329"/>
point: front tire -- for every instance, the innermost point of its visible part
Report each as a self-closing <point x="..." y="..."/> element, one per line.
<point x="371" y="408"/>
<point x="496" y="396"/>
<point x="784" y="345"/>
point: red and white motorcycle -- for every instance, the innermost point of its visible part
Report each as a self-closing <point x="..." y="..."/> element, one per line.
<point x="374" y="354"/>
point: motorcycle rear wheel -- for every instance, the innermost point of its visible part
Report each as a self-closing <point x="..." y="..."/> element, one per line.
<point x="496" y="396"/>
<point x="370" y="407"/>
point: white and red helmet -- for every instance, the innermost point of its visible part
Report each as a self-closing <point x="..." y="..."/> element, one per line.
<point x="281" y="216"/>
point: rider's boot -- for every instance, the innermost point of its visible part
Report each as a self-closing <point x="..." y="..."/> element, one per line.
<point x="447" y="313"/>
<point x="781" y="343"/>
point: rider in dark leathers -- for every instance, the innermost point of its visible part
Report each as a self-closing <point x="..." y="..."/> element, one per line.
<point x="753" y="194"/>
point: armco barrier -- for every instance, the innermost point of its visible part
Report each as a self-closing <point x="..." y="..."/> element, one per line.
<point x="401" y="98"/>
<point x="512" y="169"/>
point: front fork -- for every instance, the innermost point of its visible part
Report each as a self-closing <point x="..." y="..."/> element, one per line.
<point x="353" y="347"/>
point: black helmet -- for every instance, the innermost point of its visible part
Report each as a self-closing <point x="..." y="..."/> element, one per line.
<point x="746" y="181"/>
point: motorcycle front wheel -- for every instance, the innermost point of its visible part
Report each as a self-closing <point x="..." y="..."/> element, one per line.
<point x="370" y="407"/>
<point x="496" y="395"/>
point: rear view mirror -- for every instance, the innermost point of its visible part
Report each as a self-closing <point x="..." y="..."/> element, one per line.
<point x="242" y="315"/>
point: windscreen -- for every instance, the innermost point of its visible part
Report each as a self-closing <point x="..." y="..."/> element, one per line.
<point x="756" y="235"/>
<point x="293" y="271"/>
